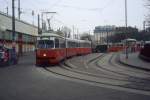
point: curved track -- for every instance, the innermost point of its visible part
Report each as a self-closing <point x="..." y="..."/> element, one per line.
<point x="105" y="69"/>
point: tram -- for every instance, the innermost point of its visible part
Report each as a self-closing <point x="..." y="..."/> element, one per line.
<point x="101" y="48"/>
<point x="130" y="44"/>
<point x="144" y="53"/>
<point x="52" y="48"/>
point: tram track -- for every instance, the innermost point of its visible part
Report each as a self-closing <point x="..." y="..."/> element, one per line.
<point x="119" y="72"/>
<point x="97" y="77"/>
<point x="102" y="76"/>
<point x="140" y="83"/>
<point x="127" y="68"/>
<point x="81" y="72"/>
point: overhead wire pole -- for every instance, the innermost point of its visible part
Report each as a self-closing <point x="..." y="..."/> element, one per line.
<point x="39" y="32"/>
<point x="126" y="25"/>
<point x="107" y="38"/>
<point x="78" y="34"/>
<point x="42" y="20"/>
<point x="7" y="10"/>
<point x="144" y="24"/>
<point x="65" y="46"/>
<point x="73" y="31"/>
<point x="90" y="37"/>
<point x="33" y="17"/>
<point x="19" y="9"/>
<point x="126" y="16"/>
<point x="13" y="24"/>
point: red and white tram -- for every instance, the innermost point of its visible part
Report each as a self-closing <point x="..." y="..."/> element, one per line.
<point x="52" y="48"/>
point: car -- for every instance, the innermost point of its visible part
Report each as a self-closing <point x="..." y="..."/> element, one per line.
<point x="7" y="56"/>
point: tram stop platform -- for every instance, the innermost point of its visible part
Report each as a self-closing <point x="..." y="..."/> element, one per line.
<point x="134" y="61"/>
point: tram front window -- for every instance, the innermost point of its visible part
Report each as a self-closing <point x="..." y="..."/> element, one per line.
<point x="45" y="44"/>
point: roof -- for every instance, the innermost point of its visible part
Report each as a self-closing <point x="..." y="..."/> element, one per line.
<point x="9" y="16"/>
<point x="52" y="34"/>
<point x="21" y="26"/>
<point x="76" y="40"/>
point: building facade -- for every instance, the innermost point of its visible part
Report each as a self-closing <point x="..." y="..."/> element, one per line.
<point x="102" y="33"/>
<point x="25" y="34"/>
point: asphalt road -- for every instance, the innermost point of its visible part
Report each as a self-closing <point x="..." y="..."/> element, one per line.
<point x="27" y="82"/>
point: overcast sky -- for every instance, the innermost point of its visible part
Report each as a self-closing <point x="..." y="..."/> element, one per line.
<point x="83" y="14"/>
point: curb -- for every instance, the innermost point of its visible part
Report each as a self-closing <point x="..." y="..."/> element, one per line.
<point x="133" y="66"/>
<point x="144" y="58"/>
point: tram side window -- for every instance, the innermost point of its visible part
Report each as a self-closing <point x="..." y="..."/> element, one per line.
<point x="62" y="43"/>
<point x="90" y="44"/>
<point x="69" y="44"/>
<point x="82" y="45"/>
<point x="56" y="43"/>
<point x="72" y="44"/>
<point x="79" y="45"/>
<point x="87" y="45"/>
<point x="76" y="44"/>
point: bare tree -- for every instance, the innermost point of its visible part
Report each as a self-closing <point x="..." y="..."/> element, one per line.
<point x="147" y="16"/>
<point x="64" y="31"/>
<point x="86" y="36"/>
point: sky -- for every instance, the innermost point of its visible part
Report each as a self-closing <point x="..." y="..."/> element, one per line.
<point x="83" y="15"/>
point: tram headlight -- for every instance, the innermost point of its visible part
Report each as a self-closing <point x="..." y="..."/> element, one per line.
<point x="44" y="55"/>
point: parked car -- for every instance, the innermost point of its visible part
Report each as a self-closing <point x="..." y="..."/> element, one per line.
<point x="8" y="56"/>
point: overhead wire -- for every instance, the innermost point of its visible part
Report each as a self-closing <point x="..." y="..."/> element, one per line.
<point x="88" y="9"/>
